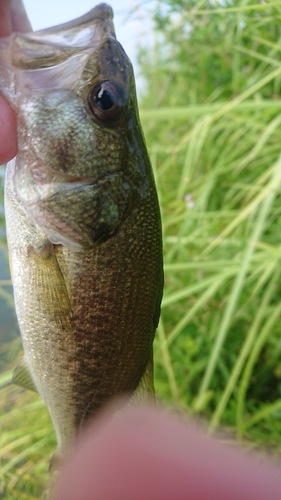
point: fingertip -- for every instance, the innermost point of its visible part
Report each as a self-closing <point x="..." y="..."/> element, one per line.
<point x="5" y="18"/>
<point x="13" y="17"/>
<point x="8" y="132"/>
<point x="20" y="21"/>
<point x="146" y="454"/>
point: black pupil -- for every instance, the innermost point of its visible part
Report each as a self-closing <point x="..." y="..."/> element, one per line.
<point x="104" y="100"/>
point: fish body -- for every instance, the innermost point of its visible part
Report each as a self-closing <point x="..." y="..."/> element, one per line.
<point x="83" y="220"/>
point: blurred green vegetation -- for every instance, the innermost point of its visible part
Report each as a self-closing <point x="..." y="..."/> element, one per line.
<point x="211" y="117"/>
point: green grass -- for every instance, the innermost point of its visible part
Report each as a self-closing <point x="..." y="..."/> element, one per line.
<point x="221" y="307"/>
<point x="27" y="442"/>
<point x="211" y="117"/>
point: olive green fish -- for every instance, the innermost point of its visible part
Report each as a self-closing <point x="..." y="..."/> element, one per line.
<point x="83" y="221"/>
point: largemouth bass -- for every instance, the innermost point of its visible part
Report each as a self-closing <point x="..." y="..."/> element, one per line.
<point x="83" y="220"/>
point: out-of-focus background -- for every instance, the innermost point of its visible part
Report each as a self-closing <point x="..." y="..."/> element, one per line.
<point x="209" y="79"/>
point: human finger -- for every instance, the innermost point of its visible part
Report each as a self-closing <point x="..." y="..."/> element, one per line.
<point x="144" y="454"/>
<point x="8" y="131"/>
<point x="13" y="17"/>
<point x="19" y="19"/>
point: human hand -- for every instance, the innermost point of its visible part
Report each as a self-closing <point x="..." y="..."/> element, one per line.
<point x="12" y="18"/>
<point x="143" y="454"/>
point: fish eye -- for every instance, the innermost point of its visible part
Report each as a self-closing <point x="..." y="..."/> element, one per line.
<point x="106" y="100"/>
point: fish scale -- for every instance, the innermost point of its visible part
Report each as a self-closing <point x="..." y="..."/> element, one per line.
<point x="83" y="221"/>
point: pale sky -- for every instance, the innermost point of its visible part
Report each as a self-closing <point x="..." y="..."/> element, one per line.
<point x="129" y="27"/>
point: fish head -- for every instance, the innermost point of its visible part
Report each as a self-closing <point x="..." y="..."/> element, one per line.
<point x="82" y="166"/>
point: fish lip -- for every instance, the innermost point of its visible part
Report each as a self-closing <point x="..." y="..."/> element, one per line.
<point x="82" y="185"/>
<point x="49" y="186"/>
<point x="101" y="11"/>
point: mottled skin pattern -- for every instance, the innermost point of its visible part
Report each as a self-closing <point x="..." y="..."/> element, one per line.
<point x="84" y="229"/>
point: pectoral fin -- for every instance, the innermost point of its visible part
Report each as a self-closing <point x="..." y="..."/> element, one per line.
<point x="144" y="393"/>
<point x="48" y="281"/>
<point x="55" y="461"/>
<point x="22" y="376"/>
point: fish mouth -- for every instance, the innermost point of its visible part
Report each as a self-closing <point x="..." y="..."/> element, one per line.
<point x="77" y="212"/>
<point x="49" y="183"/>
